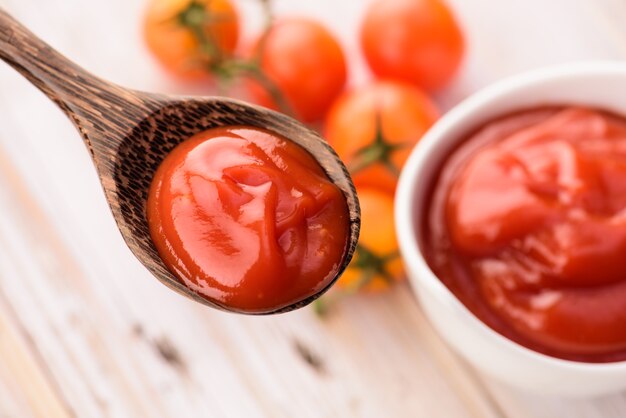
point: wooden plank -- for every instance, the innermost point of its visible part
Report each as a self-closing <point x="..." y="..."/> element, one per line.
<point x="117" y="343"/>
<point x="265" y="356"/>
<point x="520" y="405"/>
<point x="27" y="385"/>
<point x="236" y="365"/>
<point x="54" y="317"/>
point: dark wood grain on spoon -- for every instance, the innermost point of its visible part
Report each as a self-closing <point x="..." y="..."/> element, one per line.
<point x="128" y="133"/>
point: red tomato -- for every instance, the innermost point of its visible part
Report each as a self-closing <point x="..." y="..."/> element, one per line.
<point x="305" y="62"/>
<point x="376" y="263"/>
<point x="169" y="33"/>
<point x="374" y="127"/>
<point x="417" y="41"/>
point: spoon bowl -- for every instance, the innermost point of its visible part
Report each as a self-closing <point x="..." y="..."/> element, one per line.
<point x="128" y="133"/>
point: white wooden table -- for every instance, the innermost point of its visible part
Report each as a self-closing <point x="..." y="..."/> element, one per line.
<point x="86" y="332"/>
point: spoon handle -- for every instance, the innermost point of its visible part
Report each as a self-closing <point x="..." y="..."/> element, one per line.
<point x="91" y="103"/>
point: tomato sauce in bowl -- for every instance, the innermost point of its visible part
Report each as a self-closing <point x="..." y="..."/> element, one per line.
<point x="526" y="225"/>
<point x="247" y="219"/>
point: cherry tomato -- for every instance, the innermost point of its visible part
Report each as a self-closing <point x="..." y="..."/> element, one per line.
<point x="187" y="35"/>
<point x="374" y="127"/>
<point x="417" y="41"/>
<point x="376" y="263"/>
<point x="304" y="61"/>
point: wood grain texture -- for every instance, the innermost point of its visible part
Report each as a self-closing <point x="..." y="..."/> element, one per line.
<point x="70" y="286"/>
<point x="138" y="155"/>
<point x="129" y="133"/>
<point x="29" y="386"/>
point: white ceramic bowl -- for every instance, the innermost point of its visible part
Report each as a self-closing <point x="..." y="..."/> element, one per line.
<point x="601" y="84"/>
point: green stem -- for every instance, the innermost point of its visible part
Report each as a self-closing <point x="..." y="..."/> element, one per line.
<point x="195" y="18"/>
<point x="232" y="68"/>
<point x="272" y="89"/>
<point x="380" y="150"/>
<point x="371" y="266"/>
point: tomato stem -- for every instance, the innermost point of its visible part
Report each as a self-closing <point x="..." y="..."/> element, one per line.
<point x="321" y="305"/>
<point x="371" y="266"/>
<point x="195" y="18"/>
<point x="380" y="150"/>
<point x="272" y="89"/>
<point x="232" y="68"/>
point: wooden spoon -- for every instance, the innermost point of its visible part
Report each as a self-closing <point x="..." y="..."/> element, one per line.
<point x="128" y="133"/>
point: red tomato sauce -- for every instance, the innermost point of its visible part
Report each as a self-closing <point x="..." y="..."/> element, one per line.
<point x="526" y="225"/>
<point x="247" y="219"/>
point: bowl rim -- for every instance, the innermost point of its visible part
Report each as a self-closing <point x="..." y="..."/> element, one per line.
<point x="414" y="167"/>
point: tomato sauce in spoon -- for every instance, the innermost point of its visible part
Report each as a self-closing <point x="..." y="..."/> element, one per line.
<point x="247" y="219"/>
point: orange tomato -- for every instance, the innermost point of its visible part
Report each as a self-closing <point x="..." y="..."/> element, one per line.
<point x="374" y="127"/>
<point x="417" y="41"/>
<point x="306" y="64"/>
<point x="376" y="263"/>
<point x="173" y="28"/>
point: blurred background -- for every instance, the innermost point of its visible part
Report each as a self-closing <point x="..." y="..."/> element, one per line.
<point x="85" y="331"/>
